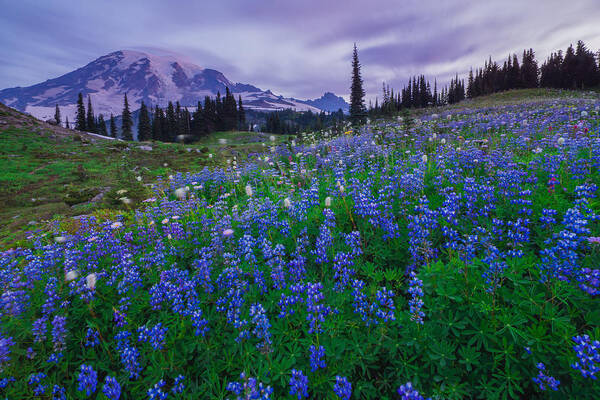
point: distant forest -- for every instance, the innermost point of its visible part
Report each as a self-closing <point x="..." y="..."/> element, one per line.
<point x="576" y="68"/>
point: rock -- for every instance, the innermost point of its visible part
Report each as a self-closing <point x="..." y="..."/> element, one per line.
<point x="31" y="223"/>
<point x="100" y="195"/>
<point x="145" y="147"/>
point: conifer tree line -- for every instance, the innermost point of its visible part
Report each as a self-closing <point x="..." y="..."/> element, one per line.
<point x="292" y="122"/>
<point x="576" y="68"/>
<point x="216" y="114"/>
<point x="418" y="94"/>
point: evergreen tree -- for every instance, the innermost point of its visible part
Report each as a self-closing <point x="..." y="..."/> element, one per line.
<point x="90" y="123"/>
<point x="101" y="125"/>
<point x="80" y="118"/>
<point x="241" y="115"/>
<point x="157" y="121"/>
<point x="198" y="127"/>
<point x="57" y="118"/>
<point x="171" y="124"/>
<point x="357" y="93"/>
<point x="127" y="122"/>
<point x="67" y="123"/>
<point x="144" y="127"/>
<point x="113" y="126"/>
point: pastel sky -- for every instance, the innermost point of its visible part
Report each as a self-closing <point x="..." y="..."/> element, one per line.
<point x="295" y="48"/>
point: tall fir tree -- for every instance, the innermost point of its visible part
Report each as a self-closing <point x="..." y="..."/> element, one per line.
<point x="157" y="121"/>
<point x="144" y="127"/>
<point x="90" y="122"/>
<point x="127" y="122"/>
<point x="57" y="118"/>
<point x="67" y="123"/>
<point x="80" y="118"/>
<point x="357" y="93"/>
<point x="113" y="126"/>
<point x="241" y="115"/>
<point x="171" y="125"/>
<point x="101" y="125"/>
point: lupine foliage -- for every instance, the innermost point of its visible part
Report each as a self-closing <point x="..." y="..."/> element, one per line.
<point x="455" y="260"/>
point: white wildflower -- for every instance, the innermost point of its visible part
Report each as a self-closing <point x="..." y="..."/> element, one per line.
<point x="71" y="275"/>
<point x="561" y="141"/>
<point x="60" y="239"/>
<point x="287" y="203"/>
<point x="328" y="201"/>
<point x="116" y="225"/>
<point x="90" y="281"/>
<point x="249" y="191"/>
<point x="228" y="232"/>
<point x="424" y="158"/>
<point x="181" y="193"/>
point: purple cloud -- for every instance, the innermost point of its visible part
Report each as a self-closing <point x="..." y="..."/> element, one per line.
<point x="298" y="49"/>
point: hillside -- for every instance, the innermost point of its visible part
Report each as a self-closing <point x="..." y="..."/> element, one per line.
<point x="453" y="258"/>
<point x="49" y="172"/>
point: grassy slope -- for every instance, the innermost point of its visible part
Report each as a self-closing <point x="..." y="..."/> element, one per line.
<point x="48" y="172"/>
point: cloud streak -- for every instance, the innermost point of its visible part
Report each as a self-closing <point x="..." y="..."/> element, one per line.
<point x="298" y="49"/>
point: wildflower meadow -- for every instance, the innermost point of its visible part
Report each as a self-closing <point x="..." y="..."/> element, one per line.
<point x="454" y="256"/>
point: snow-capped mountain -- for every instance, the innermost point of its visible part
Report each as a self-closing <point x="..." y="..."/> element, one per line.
<point x="329" y="102"/>
<point x="155" y="79"/>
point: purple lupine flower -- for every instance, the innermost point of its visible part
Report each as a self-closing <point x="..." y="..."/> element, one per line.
<point x="178" y="385"/>
<point x="298" y="384"/>
<point x="155" y="335"/>
<point x="407" y="392"/>
<point x="5" y="345"/>
<point x="111" y="388"/>
<point x="342" y="387"/>
<point x="588" y="356"/>
<point x="156" y="392"/>
<point x="545" y="381"/>
<point x="87" y="380"/>
<point x="416" y="301"/>
<point x="59" y="332"/>
<point x="317" y="355"/>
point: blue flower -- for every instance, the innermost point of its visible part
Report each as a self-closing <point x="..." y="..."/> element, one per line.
<point x="298" y="384"/>
<point x="342" y="387"/>
<point x="87" y="380"/>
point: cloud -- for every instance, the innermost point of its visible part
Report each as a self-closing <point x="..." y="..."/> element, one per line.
<point x="298" y="49"/>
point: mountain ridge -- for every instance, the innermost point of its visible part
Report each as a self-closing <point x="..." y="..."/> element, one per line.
<point x="154" y="79"/>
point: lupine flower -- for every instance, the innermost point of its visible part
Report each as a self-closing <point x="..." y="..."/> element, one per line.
<point x="111" y="388"/>
<point x="156" y="392"/>
<point x="250" y="388"/>
<point x="317" y="356"/>
<point x="407" y="392"/>
<point x="87" y="380"/>
<point x="588" y="356"/>
<point x="544" y="381"/>
<point x="416" y="302"/>
<point x="342" y="387"/>
<point x="298" y="384"/>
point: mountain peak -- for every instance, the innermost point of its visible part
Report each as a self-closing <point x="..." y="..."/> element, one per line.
<point x="155" y="79"/>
